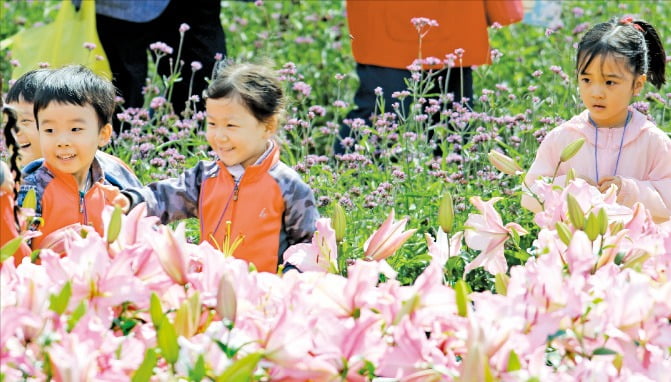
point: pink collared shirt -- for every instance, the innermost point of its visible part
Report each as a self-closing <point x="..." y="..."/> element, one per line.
<point x="644" y="166"/>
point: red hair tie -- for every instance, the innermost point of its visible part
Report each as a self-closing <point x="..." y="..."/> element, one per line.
<point x="626" y="20"/>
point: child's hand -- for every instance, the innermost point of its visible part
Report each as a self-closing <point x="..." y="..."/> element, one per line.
<point x="604" y="184"/>
<point x="7" y="185"/>
<point x="114" y="196"/>
<point x="589" y="180"/>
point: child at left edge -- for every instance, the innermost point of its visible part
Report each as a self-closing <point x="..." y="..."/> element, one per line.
<point x="73" y="110"/>
<point x="265" y="201"/>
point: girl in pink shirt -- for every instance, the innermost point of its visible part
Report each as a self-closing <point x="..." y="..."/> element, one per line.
<point x="622" y="147"/>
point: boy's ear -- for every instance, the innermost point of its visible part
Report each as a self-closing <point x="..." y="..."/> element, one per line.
<point x="271" y="124"/>
<point x="104" y="135"/>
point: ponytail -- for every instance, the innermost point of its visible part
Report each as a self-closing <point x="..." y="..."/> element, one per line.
<point x="656" y="53"/>
<point x="13" y="146"/>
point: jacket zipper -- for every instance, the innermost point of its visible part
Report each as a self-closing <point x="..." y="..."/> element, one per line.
<point x="234" y="197"/>
<point x="236" y="188"/>
<point x="82" y="206"/>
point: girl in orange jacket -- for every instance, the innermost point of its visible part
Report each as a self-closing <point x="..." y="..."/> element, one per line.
<point x="248" y="194"/>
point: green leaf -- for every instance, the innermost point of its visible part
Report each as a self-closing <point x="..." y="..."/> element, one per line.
<point x="241" y="370"/>
<point x="603" y="351"/>
<point x="59" y="302"/>
<point x="115" y="225"/>
<point x="461" y="290"/>
<point x="77" y="314"/>
<point x="167" y="341"/>
<point x="557" y="334"/>
<point x="515" y="236"/>
<point x="198" y="372"/>
<point x="146" y="369"/>
<point x="514" y="363"/>
<point x="155" y="310"/>
<point x="229" y="351"/>
<point x="9" y="249"/>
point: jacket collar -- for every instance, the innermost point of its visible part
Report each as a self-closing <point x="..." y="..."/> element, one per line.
<point x="97" y="174"/>
<point x="257" y="170"/>
<point x="581" y="125"/>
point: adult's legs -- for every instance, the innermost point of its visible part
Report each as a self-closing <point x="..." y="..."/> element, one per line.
<point x="202" y="42"/>
<point x="365" y="99"/>
<point x="126" y="45"/>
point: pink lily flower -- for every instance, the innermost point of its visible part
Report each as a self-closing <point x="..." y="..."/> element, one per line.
<point x="321" y="255"/>
<point x="170" y="248"/>
<point x="486" y="233"/>
<point x="387" y="239"/>
<point x="441" y="249"/>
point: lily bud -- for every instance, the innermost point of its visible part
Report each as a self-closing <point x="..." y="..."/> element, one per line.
<point x="563" y="232"/>
<point x="227" y="303"/>
<point x="504" y="163"/>
<point x="592" y="226"/>
<point x="339" y="221"/>
<point x="575" y="213"/>
<point x="602" y="218"/>
<point x="571" y="149"/>
<point x="446" y="213"/>
<point x="570" y="175"/>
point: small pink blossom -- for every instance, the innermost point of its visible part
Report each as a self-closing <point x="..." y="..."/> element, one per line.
<point x="387" y="239"/>
<point x="486" y="233"/>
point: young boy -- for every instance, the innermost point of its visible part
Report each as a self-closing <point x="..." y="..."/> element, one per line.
<point x="21" y="97"/>
<point x="73" y="110"/>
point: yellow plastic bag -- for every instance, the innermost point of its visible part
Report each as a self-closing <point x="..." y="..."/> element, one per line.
<point x="71" y="39"/>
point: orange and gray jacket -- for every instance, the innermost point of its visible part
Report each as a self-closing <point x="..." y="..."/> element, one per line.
<point x="59" y="201"/>
<point x="269" y="206"/>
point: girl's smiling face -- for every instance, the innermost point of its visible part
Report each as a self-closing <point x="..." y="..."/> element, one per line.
<point x="234" y="133"/>
<point x="606" y="87"/>
<point x="26" y="134"/>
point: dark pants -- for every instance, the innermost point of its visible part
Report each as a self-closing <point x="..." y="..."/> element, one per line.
<point x="126" y="44"/>
<point x="391" y="80"/>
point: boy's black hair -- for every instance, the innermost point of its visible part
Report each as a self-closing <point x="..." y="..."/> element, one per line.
<point x="77" y="85"/>
<point x="13" y="145"/>
<point x="635" y="41"/>
<point x="24" y="87"/>
<point x="258" y="86"/>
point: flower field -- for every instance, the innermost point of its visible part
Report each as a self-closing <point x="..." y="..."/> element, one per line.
<point x="423" y="268"/>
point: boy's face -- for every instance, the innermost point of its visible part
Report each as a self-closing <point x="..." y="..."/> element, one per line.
<point x="234" y="133"/>
<point x="26" y="134"/>
<point x="70" y="137"/>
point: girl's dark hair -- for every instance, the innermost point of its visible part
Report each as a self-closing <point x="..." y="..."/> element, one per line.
<point x="24" y="87"/>
<point x="13" y="145"/>
<point x="258" y="86"/>
<point x="635" y="41"/>
<point x="77" y="85"/>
